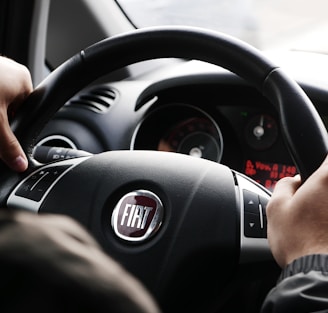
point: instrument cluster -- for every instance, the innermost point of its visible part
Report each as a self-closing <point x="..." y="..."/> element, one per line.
<point x="249" y="138"/>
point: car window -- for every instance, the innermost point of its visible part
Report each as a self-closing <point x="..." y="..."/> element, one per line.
<point x="266" y="24"/>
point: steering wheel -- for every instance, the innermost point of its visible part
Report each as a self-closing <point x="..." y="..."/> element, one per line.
<point x="178" y="223"/>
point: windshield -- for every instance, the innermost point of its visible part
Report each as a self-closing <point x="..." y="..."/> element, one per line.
<point x="265" y="24"/>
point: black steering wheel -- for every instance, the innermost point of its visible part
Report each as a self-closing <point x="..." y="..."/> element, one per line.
<point x="176" y="222"/>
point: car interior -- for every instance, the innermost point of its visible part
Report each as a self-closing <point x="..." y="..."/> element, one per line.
<point x="165" y="142"/>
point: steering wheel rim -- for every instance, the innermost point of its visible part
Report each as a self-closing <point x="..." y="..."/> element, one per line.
<point x="190" y="43"/>
<point x="184" y="42"/>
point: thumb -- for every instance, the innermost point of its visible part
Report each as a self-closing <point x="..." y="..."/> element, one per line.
<point x="11" y="151"/>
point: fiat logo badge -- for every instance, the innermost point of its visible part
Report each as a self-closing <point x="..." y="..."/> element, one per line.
<point x="137" y="216"/>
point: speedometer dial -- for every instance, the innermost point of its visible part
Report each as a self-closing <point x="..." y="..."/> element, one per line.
<point x="197" y="137"/>
<point x="180" y="128"/>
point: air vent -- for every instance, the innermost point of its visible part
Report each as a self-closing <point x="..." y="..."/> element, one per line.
<point x="99" y="99"/>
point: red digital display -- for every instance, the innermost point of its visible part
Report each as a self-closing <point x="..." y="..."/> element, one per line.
<point x="267" y="174"/>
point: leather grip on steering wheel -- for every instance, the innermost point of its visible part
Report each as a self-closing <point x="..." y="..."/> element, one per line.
<point x="308" y="145"/>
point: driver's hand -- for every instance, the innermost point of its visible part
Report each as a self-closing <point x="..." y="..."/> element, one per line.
<point x="15" y="86"/>
<point x="298" y="217"/>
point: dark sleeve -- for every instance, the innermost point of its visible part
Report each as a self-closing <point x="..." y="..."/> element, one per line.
<point x="50" y="263"/>
<point x="302" y="287"/>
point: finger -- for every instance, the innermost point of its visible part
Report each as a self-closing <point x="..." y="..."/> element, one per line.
<point x="287" y="186"/>
<point x="24" y="89"/>
<point x="69" y="226"/>
<point x="11" y="151"/>
<point x="284" y="191"/>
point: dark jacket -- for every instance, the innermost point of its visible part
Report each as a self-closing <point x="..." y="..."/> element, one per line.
<point x="302" y="287"/>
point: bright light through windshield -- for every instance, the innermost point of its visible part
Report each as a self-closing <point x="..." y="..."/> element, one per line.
<point x="266" y="24"/>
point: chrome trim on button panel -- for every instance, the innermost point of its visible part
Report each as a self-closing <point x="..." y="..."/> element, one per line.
<point x="251" y="249"/>
<point x="19" y="202"/>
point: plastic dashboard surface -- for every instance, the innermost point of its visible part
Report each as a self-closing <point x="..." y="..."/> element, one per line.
<point x="190" y="108"/>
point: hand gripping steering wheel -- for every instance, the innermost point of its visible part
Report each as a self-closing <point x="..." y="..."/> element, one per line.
<point x="178" y="223"/>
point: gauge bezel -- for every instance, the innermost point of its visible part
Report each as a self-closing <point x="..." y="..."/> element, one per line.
<point x="182" y="112"/>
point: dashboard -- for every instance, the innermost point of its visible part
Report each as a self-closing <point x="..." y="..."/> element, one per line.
<point x="188" y="108"/>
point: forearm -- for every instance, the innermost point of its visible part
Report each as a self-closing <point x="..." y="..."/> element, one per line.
<point x="302" y="287"/>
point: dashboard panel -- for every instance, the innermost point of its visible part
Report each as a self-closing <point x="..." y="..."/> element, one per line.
<point x="216" y="116"/>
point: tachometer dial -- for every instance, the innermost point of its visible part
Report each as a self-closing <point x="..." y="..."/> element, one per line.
<point x="261" y="132"/>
